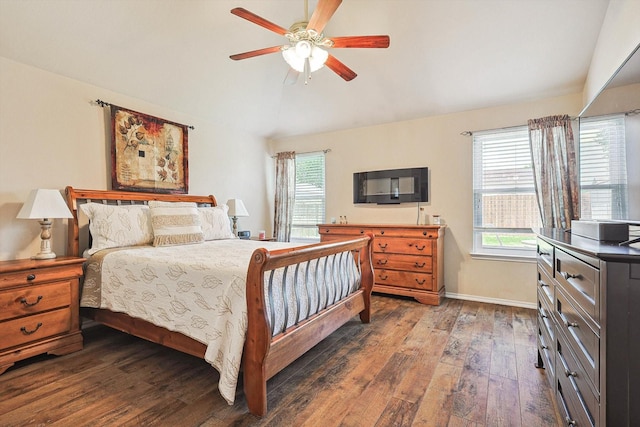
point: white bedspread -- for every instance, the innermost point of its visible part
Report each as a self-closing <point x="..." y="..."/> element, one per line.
<point x="198" y="290"/>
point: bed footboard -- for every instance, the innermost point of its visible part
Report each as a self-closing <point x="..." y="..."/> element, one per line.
<point x="342" y="277"/>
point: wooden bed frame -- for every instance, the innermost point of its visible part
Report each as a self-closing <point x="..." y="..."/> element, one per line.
<point x="263" y="355"/>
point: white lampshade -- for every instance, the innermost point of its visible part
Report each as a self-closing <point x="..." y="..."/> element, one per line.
<point x="43" y="204"/>
<point x="236" y="208"/>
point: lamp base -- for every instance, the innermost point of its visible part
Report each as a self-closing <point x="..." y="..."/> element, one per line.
<point x="43" y="255"/>
<point x="45" y="241"/>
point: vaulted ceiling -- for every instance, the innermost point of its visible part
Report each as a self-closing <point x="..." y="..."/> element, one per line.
<point x="445" y="56"/>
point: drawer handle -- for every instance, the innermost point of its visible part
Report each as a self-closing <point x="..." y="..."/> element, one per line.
<point x="543" y="253"/>
<point x="420" y="265"/>
<point x="384" y="277"/>
<point x="381" y="231"/>
<point x="544" y="347"/>
<point x="382" y="261"/>
<point x="30" y="304"/>
<point x="570" y="324"/>
<point x="570" y="422"/>
<point x="383" y="246"/>
<point x="568" y="276"/>
<point x="542" y="284"/>
<point x="31" y="277"/>
<point x="569" y="373"/>
<point x="361" y="231"/>
<point x="421" y="282"/>
<point x="24" y="329"/>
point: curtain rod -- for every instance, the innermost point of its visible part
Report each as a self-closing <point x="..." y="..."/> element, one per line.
<point x="626" y="113"/>
<point x="102" y="103"/>
<point x="470" y="133"/>
<point x="325" y="151"/>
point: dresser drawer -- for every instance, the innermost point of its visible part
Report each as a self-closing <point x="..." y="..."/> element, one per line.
<point x="580" y="399"/>
<point x="546" y="348"/>
<point x="27" y="300"/>
<point x="545" y="253"/>
<point x="416" y="263"/>
<point x="404" y="279"/>
<point x="35" y="327"/>
<point x="581" y="281"/>
<point x="39" y="275"/>
<point x="584" y="341"/>
<point x="343" y="232"/>
<point x="546" y="285"/>
<point x="545" y="313"/>
<point x="403" y="246"/>
<point x="414" y="232"/>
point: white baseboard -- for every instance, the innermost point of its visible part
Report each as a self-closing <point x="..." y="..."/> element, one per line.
<point x="489" y="300"/>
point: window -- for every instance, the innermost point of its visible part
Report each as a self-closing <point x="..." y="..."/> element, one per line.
<point x="603" y="169"/>
<point x="308" y="208"/>
<point x="505" y="207"/>
<point x="504" y="200"/>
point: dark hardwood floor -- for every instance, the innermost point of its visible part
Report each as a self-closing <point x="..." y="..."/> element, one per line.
<point x="459" y="364"/>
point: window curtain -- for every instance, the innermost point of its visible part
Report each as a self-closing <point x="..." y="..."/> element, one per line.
<point x="285" y="194"/>
<point x="554" y="170"/>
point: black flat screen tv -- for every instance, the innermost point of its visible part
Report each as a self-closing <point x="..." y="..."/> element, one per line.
<point x="391" y="186"/>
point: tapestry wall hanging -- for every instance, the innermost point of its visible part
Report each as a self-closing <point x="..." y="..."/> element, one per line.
<point x="148" y="153"/>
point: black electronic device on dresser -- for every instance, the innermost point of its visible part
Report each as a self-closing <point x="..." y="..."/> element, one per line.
<point x="391" y="186"/>
<point x="589" y="327"/>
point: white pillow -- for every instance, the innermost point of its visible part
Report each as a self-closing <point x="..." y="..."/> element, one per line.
<point x="175" y="223"/>
<point x="215" y="223"/>
<point x="116" y="226"/>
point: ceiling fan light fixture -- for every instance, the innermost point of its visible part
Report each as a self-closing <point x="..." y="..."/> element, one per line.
<point x="296" y="55"/>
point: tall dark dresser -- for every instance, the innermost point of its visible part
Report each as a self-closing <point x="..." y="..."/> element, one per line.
<point x="589" y="327"/>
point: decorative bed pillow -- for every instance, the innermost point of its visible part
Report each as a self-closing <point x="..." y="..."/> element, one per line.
<point x="215" y="223"/>
<point x="116" y="226"/>
<point x="175" y="223"/>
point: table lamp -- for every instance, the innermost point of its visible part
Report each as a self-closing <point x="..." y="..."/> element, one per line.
<point x="44" y="205"/>
<point x="236" y="209"/>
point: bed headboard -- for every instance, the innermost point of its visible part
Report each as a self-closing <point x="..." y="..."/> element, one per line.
<point x="79" y="238"/>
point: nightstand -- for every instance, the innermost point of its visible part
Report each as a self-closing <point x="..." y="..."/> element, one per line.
<point x="39" y="308"/>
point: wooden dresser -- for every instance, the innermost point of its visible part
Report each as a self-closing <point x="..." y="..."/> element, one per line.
<point x="39" y="310"/>
<point x="407" y="259"/>
<point x="589" y="328"/>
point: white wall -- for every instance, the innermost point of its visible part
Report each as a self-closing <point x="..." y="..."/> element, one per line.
<point x="619" y="37"/>
<point x="52" y="136"/>
<point x="434" y="142"/>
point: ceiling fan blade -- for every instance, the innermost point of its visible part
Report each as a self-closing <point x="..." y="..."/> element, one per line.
<point x="253" y="53"/>
<point x="361" y="41"/>
<point x="324" y="11"/>
<point x="339" y="68"/>
<point x="252" y="17"/>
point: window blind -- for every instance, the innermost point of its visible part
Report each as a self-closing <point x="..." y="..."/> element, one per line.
<point x="309" y="205"/>
<point x="504" y="194"/>
<point x="603" y="169"/>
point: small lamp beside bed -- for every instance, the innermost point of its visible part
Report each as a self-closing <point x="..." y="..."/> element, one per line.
<point x="44" y="205"/>
<point x="236" y="209"/>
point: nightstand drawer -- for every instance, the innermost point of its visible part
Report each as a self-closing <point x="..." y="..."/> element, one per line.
<point x="404" y="279"/>
<point x="39" y="275"/>
<point x="416" y="263"/>
<point x="403" y="246"/>
<point x="34" y="299"/>
<point x="35" y="327"/>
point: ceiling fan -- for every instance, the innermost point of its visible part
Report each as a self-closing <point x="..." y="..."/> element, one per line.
<point x="306" y="50"/>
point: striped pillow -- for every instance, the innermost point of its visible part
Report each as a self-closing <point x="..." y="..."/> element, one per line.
<point x="175" y="223"/>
